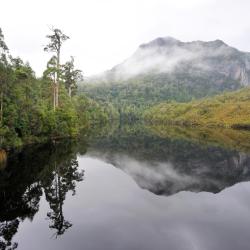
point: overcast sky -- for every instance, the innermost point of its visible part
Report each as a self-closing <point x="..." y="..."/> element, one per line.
<point x="105" y="32"/>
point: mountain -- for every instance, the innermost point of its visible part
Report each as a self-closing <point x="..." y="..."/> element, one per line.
<point x="167" y="69"/>
<point x="168" y="55"/>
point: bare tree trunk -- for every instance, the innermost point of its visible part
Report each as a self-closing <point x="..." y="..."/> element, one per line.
<point x="69" y="91"/>
<point x="54" y="92"/>
<point x="1" y="108"/>
<point x="56" y="89"/>
<point x="57" y="76"/>
<point x="57" y="94"/>
<point x="54" y="96"/>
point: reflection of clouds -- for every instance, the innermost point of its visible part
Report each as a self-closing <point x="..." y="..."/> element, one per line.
<point x="111" y="212"/>
<point x="133" y="219"/>
<point x="162" y="177"/>
<point x="154" y="175"/>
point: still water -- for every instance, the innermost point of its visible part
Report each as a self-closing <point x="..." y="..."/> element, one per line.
<point x="127" y="189"/>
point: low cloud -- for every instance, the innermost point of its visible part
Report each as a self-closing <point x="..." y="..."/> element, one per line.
<point x="165" y="55"/>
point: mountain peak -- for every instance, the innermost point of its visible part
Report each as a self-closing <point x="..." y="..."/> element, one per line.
<point x="160" y="42"/>
<point x="218" y="43"/>
<point x="169" y="41"/>
<point x="167" y="55"/>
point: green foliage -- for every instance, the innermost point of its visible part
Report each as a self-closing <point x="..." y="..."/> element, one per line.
<point x="71" y="76"/>
<point x="133" y="96"/>
<point x="155" y="88"/>
<point x="226" y="110"/>
<point x="27" y="113"/>
<point x="90" y="112"/>
<point x="56" y="39"/>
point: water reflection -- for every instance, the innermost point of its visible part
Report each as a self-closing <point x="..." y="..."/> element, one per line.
<point x="168" y="165"/>
<point x="163" y="164"/>
<point x="52" y="169"/>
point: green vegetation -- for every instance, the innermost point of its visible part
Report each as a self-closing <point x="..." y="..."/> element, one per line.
<point x="148" y="89"/>
<point x="36" y="109"/>
<point x="91" y="112"/>
<point x="168" y="70"/>
<point x="225" y="110"/>
<point x="133" y="96"/>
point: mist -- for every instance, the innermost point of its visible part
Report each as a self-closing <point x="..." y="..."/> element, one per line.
<point x="167" y="55"/>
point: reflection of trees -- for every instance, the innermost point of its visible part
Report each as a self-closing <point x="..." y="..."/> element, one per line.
<point x="20" y="194"/>
<point x="15" y="207"/>
<point x="7" y="230"/>
<point x="58" y="182"/>
<point x="53" y="168"/>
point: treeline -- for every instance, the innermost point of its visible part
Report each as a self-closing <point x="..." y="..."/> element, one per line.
<point x="35" y="109"/>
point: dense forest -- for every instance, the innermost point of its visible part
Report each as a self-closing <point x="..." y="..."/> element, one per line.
<point x="133" y="96"/>
<point x="36" y="109"/>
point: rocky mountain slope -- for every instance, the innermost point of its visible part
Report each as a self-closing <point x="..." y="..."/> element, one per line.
<point x="167" y="69"/>
<point x="168" y="55"/>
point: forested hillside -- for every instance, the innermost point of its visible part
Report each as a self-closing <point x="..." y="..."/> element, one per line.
<point x="167" y="69"/>
<point x="36" y="109"/>
<point x="225" y="110"/>
<point x="135" y="95"/>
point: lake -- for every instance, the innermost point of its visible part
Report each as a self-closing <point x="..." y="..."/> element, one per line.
<point x="129" y="188"/>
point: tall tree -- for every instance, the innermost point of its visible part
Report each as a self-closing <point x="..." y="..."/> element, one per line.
<point x="55" y="44"/>
<point x="71" y="76"/>
<point x="50" y="73"/>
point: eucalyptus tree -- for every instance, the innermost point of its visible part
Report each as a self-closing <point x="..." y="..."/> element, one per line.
<point x="71" y="76"/>
<point x="56" y="39"/>
<point x="50" y="73"/>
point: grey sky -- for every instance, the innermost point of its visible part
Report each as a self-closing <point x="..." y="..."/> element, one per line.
<point x="105" y="32"/>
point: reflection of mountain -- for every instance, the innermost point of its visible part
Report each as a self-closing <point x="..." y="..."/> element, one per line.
<point x="161" y="165"/>
<point x="166" y="166"/>
<point x="51" y="169"/>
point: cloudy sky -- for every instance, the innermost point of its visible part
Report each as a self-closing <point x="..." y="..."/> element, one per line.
<point x="105" y="32"/>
